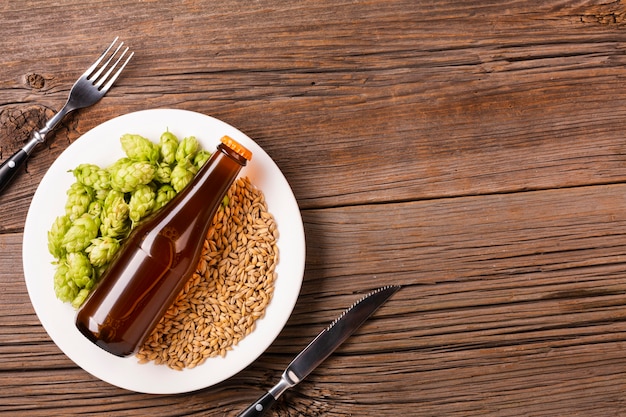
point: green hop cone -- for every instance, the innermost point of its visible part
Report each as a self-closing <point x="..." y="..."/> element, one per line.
<point x="164" y="194"/>
<point x="141" y="202"/>
<point x="182" y="174"/>
<point x="95" y="209"/>
<point x="80" y="297"/>
<point x="168" y="143"/>
<point x="201" y="157"/>
<point x="100" y="195"/>
<point x="163" y="173"/>
<point x="102" y="250"/>
<point x="79" y="270"/>
<point x="64" y="288"/>
<point x="92" y="176"/>
<point x="59" y="228"/>
<point x="79" y="196"/>
<point x="138" y="148"/>
<point x="126" y="174"/>
<point x="80" y="233"/>
<point x="187" y="149"/>
<point x="114" y="217"/>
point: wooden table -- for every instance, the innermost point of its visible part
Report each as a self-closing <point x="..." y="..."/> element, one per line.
<point x="474" y="152"/>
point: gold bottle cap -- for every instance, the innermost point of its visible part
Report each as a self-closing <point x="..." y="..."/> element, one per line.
<point x="237" y="147"/>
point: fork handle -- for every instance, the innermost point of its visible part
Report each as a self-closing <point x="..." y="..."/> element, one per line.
<point x="9" y="168"/>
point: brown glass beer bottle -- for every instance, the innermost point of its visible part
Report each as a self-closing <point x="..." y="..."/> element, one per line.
<point x="158" y="258"/>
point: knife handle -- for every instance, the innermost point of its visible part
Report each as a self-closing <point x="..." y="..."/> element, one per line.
<point x="260" y="406"/>
<point x="9" y="168"/>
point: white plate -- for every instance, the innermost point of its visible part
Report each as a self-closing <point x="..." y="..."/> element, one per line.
<point x="101" y="146"/>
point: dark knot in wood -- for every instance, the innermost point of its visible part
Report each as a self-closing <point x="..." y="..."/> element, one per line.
<point x="36" y="81"/>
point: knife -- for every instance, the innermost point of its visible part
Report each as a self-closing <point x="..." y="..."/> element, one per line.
<point x="321" y="347"/>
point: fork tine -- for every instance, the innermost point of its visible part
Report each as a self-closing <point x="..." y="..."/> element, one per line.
<point x="117" y="74"/>
<point x="89" y="70"/>
<point x="101" y="81"/>
<point x="106" y="64"/>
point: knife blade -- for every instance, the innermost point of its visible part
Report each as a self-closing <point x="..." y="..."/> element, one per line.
<point x="321" y="347"/>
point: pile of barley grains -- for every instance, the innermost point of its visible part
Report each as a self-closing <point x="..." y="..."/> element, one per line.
<point x="229" y="291"/>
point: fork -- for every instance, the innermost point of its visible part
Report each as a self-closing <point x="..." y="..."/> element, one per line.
<point x="87" y="90"/>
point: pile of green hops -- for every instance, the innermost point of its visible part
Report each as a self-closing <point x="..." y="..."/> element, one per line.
<point x="105" y="204"/>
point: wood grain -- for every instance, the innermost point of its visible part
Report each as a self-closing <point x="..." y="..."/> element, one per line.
<point x="473" y="152"/>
